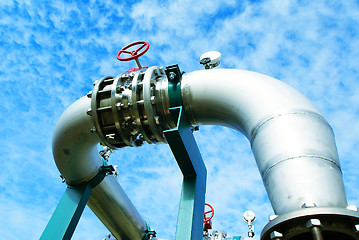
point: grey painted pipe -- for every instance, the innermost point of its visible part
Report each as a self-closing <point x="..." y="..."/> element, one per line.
<point x="77" y="158"/>
<point x="292" y="143"/>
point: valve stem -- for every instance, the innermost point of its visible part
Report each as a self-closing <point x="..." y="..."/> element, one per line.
<point x="138" y="63"/>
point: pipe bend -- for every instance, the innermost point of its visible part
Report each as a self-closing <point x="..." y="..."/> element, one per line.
<point x="74" y="146"/>
<point x="281" y="124"/>
<point x="238" y="98"/>
<point x="77" y="158"/>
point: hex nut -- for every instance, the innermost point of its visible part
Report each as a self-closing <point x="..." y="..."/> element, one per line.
<point x="309" y="205"/>
<point x="353" y="208"/>
<point x="118" y="89"/>
<point x="276" y="235"/>
<point x="313" y="223"/>
<point x="155" y="72"/>
<point x="161" y="70"/>
<point x="172" y="76"/>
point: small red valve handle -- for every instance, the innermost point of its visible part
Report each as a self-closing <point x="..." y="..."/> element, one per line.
<point x="207" y="220"/>
<point x="134" y="54"/>
<point x="210" y="211"/>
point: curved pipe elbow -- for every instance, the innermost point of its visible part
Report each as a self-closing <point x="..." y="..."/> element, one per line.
<point x="292" y="143"/>
<point x="75" y="146"/>
<point x="77" y="158"/>
<point x="239" y="99"/>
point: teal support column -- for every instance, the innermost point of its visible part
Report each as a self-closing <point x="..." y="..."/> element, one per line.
<point x="67" y="214"/>
<point x="189" y="159"/>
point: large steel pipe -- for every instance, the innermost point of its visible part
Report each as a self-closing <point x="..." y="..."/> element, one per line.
<point x="74" y="146"/>
<point x="112" y="206"/>
<point x="77" y="158"/>
<point x="292" y="143"/>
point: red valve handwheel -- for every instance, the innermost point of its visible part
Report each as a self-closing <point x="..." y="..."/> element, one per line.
<point x="134" y="54"/>
<point x="206" y="219"/>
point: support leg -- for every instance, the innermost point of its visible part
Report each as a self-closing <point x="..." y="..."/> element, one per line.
<point x="67" y="214"/>
<point x="189" y="159"/>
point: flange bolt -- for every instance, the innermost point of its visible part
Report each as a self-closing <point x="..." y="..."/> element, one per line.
<point x="276" y="235"/>
<point x="315" y="225"/>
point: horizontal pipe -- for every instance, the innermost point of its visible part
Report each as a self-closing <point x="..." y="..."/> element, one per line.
<point x="292" y="143"/>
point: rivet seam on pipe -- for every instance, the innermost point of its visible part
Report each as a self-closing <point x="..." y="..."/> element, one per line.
<point x="301" y="156"/>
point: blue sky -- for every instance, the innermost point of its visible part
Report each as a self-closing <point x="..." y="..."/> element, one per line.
<point x="52" y="51"/>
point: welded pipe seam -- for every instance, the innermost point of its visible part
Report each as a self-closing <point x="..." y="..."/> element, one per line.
<point x="299" y="157"/>
<point x="254" y="132"/>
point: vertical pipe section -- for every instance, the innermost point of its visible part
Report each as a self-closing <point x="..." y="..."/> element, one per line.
<point x="293" y="145"/>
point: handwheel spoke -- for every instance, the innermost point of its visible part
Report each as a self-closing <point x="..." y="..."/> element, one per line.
<point x="138" y="49"/>
<point x="124" y="51"/>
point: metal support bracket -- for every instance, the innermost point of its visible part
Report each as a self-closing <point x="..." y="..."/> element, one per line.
<point x="68" y="212"/>
<point x="189" y="160"/>
<point x="174" y="76"/>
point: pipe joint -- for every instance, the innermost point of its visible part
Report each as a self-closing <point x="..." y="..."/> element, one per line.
<point x="131" y="108"/>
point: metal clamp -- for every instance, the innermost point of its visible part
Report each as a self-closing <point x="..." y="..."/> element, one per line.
<point x="150" y="234"/>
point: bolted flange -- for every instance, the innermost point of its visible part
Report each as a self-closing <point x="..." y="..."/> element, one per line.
<point x="131" y="108"/>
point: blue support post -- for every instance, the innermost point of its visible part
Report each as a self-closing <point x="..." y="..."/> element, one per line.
<point x="189" y="159"/>
<point x="67" y="214"/>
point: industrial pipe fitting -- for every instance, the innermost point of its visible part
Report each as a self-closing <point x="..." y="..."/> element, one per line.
<point x="292" y="143"/>
<point x="131" y="108"/>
